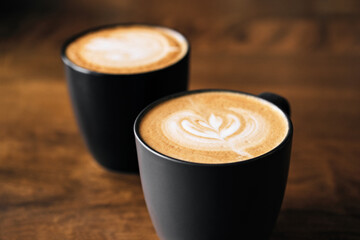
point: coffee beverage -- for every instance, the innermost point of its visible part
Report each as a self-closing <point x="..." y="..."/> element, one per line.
<point x="227" y="198"/>
<point x="127" y="49"/>
<point x="214" y="127"/>
<point x="112" y="73"/>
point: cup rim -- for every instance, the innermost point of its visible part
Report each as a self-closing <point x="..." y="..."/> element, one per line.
<point x="140" y="116"/>
<point x="78" y="68"/>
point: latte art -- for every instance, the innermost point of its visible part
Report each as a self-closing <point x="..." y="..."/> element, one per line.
<point x="128" y="49"/>
<point x="214" y="127"/>
<point x="131" y="49"/>
<point x="235" y="131"/>
<point x="211" y="129"/>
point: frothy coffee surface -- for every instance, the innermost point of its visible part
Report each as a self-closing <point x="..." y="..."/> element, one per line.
<point x="127" y="49"/>
<point x="214" y="127"/>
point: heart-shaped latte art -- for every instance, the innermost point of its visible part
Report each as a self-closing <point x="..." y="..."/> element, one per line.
<point x="214" y="127"/>
<point x="232" y="130"/>
<point x="211" y="128"/>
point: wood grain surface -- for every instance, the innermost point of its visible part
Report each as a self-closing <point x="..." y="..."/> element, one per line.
<point x="307" y="51"/>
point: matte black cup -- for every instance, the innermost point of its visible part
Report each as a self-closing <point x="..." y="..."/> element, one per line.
<point x="231" y="201"/>
<point x="106" y="105"/>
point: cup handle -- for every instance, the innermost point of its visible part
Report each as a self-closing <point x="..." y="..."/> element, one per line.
<point x="278" y="100"/>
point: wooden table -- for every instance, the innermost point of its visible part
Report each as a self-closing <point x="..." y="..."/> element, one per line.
<point x="308" y="51"/>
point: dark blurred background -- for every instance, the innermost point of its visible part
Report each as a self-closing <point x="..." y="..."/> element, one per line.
<point x="308" y="51"/>
<point x="244" y="36"/>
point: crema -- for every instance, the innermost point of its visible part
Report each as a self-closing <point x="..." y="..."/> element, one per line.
<point x="214" y="127"/>
<point x="127" y="49"/>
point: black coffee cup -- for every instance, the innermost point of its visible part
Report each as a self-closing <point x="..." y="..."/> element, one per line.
<point x="106" y="105"/>
<point x="195" y="201"/>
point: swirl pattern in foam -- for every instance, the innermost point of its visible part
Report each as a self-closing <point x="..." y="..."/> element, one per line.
<point x="127" y="49"/>
<point x="214" y="127"/>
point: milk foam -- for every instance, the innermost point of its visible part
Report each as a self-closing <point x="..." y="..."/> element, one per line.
<point x="233" y="129"/>
<point x="214" y="127"/>
<point x="131" y="49"/>
<point x="128" y="49"/>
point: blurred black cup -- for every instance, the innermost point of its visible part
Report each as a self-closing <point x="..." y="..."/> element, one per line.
<point x="106" y="104"/>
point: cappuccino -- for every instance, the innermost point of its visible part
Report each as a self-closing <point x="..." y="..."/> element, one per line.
<point x="127" y="49"/>
<point x="214" y="127"/>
